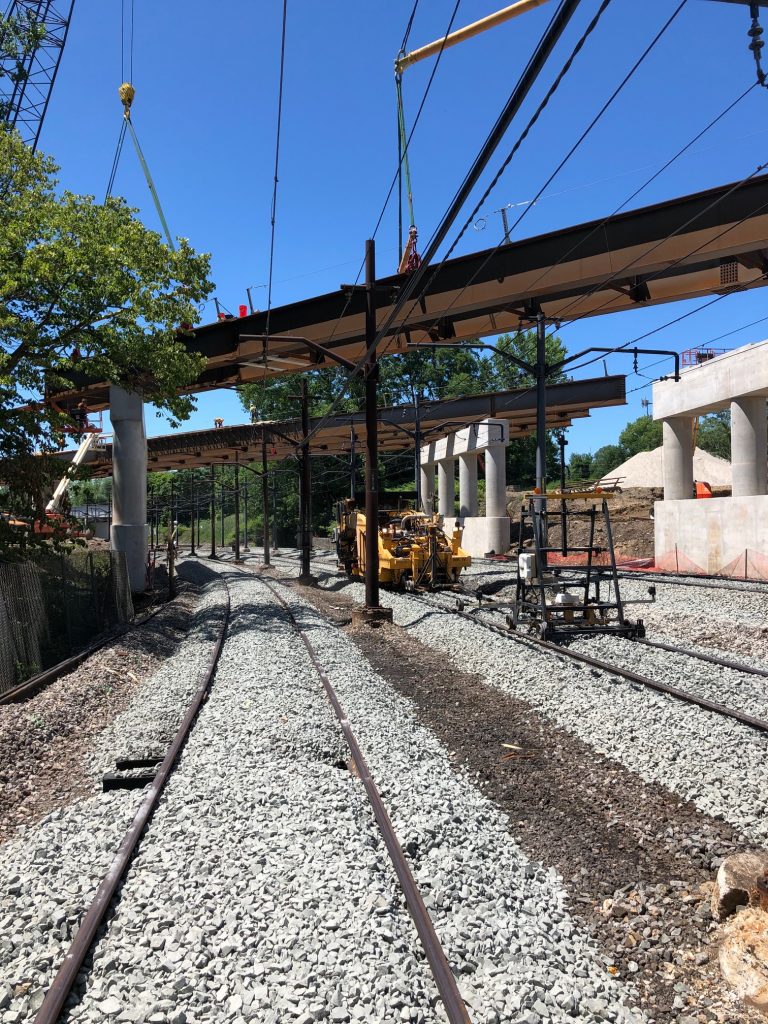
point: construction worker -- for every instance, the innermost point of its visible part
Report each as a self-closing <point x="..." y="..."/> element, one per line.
<point x="254" y="414"/>
<point x="82" y="415"/>
<point x="218" y="423"/>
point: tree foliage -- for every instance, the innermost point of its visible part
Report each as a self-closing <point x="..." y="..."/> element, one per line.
<point x="715" y="434"/>
<point x="20" y="36"/>
<point x="85" y="290"/>
<point x="641" y="435"/>
<point x="428" y="375"/>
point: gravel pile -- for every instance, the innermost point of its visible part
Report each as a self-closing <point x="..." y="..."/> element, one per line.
<point x="50" y="871"/>
<point x="717" y="764"/>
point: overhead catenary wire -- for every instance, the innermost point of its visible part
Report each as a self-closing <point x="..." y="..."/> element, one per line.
<point x="537" y="113"/>
<point x="530" y="74"/>
<point x="273" y="210"/>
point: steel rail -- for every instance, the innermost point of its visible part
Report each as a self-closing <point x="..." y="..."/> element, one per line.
<point x="712" y="659"/>
<point x="634" y="677"/>
<point x="737" y="666"/>
<point x="66" y="976"/>
<point x="693" y="580"/>
<point x="455" y="1008"/>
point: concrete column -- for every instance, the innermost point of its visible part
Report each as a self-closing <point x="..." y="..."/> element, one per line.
<point x="748" y="447"/>
<point x="427" y="487"/>
<point x="446" y="493"/>
<point x="496" y="481"/>
<point x="677" y="433"/>
<point x="467" y="485"/>
<point x="129" y="483"/>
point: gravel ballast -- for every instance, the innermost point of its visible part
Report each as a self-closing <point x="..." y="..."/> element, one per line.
<point x="263" y="891"/>
<point x="716" y="763"/>
<point x="50" y="871"/>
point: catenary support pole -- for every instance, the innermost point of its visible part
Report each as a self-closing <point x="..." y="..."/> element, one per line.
<point x="265" y="496"/>
<point x="372" y="611"/>
<point x="237" y="508"/>
<point x="305" y="526"/>
<point x="372" y="438"/>
<point x="213" y="511"/>
<point x="193" y="498"/>
<point x="223" y="512"/>
<point x="245" y="515"/>
<point x="417" y="450"/>
<point x="352" y="462"/>
<point x="541" y="425"/>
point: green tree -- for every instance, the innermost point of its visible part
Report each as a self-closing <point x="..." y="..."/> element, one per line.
<point x="641" y="435"/>
<point x="715" y="434"/>
<point x="20" y="35"/>
<point x="580" y="466"/>
<point x="605" y="460"/>
<point x="85" y="288"/>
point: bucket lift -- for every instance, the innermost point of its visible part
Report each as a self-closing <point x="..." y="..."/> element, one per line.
<point x="92" y="439"/>
<point x="565" y="600"/>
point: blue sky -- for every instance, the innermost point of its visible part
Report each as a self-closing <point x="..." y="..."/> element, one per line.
<point x="205" y="112"/>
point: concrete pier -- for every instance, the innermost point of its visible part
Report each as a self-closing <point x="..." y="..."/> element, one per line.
<point x="427" y="488"/>
<point x="129" y="483"/>
<point x="446" y="488"/>
<point x="726" y="535"/>
<point x="677" y="433"/>
<point x="490" y="532"/>
<point x="467" y="485"/>
<point x="749" y="449"/>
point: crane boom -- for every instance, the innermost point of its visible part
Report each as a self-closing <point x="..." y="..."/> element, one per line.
<point x="506" y="14"/>
<point x="29" y="62"/>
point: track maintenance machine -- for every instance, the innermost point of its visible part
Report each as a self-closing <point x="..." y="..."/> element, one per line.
<point x="414" y="552"/>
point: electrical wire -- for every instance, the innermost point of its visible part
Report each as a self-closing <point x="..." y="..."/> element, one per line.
<point x="273" y="215"/>
<point x="521" y="138"/>
<point x="521" y="89"/>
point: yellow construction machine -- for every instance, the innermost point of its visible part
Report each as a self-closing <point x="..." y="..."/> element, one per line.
<point x="414" y="552"/>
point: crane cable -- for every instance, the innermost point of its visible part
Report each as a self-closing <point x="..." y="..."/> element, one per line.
<point x="127" y="94"/>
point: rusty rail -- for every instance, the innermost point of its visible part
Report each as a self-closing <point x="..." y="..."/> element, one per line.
<point x="634" y="677"/>
<point x="66" y="976"/>
<point x="455" y="1008"/>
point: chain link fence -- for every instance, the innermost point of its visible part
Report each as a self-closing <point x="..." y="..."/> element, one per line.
<point x="54" y="605"/>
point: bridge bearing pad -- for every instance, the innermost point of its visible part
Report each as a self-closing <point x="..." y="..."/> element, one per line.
<point x="371" y="616"/>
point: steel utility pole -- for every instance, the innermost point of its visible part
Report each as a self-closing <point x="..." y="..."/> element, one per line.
<point x="417" y="451"/>
<point x="265" y="496"/>
<point x="237" y="509"/>
<point x="193" y="498"/>
<point x="372" y="612"/>
<point x="213" y="511"/>
<point x="352" y="462"/>
<point x="305" y="526"/>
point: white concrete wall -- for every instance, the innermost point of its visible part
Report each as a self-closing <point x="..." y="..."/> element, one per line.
<point x="475" y="438"/>
<point x="712" y="535"/>
<point x="714" y="384"/>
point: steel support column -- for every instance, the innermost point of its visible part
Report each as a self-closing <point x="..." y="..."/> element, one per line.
<point x="237" y="508"/>
<point x="213" y="511"/>
<point x="265" y="496"/>
<point x="305" y="525"/>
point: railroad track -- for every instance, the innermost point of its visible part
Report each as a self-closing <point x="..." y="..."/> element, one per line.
<point x="535" y="642"/>
<point x="66" y="977"/>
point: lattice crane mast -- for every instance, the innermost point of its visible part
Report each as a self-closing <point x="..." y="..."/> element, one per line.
<point x="31" y="46"/>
